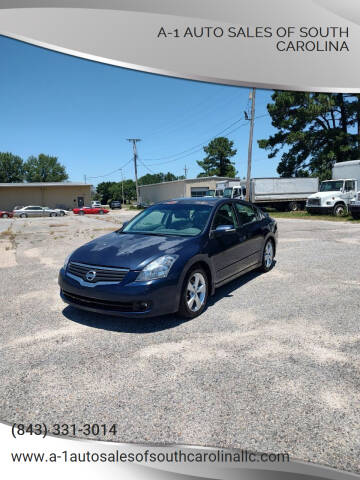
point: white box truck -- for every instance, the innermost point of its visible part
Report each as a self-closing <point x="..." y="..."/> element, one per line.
<point x="280" y="193"/>
<point x="220" y="186"/>
<point x="336" y="194"/>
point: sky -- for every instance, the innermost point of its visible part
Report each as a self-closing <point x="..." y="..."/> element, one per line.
<point x="82" y="112"/>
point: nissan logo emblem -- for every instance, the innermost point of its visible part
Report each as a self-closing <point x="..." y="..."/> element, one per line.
<point x="90" y="275"/>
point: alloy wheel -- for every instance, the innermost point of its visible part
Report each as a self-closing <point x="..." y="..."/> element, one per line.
<point x="339" y="210"/>
<point x="196" y="292"/>
<point x="268" y="254"/>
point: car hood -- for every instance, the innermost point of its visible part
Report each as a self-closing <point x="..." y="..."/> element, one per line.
<point x="331" y="193"/>
<point x="132" y="251"/>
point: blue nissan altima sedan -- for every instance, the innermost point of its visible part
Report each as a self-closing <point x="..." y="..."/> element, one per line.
<point x="169" y="258"/>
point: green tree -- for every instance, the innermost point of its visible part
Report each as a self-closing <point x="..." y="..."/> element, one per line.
<point x="218" y="159"/>
<point x="129" y="190"/>
<point x="103" y="190"/>
<point x="11" y="168"/>
<point x="108" y="191"/>
<point x="150" y="178"/>
<point x="44" y="168"/>
<point x="314" y="130"/>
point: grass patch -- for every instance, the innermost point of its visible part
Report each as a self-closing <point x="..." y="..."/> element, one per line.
<point x="135" y="207"/>
<point x="10" y="236"/>
<point x="306" y="216"/>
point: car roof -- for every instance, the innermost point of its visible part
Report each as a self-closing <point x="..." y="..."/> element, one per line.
<point x="211" y="201"/>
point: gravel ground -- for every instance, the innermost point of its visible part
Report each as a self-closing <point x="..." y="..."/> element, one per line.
<point x="271" y="365"/>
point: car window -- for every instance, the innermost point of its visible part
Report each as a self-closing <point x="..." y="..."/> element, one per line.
<point x="260" y="214"/>
<point x="246" y="213"/>
<point x="150" y="221"/>
<point x="349" y="185"/>
<point x="225" y="215"/>
<point x="171" y="219"/>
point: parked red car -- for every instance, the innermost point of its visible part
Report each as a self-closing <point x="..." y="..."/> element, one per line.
<point x="5" y="214"/>
<point x="90" y="210"/>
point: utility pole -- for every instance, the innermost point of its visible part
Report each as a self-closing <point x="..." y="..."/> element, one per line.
<point x="122" y="186"/>
<point x="134" y="140"/>
<point x="186" y="170"/>
<point x="84" y="178"/>
<point x="250" y="144"/>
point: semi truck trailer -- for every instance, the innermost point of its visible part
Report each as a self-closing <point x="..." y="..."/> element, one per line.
<point x="280" y="193"/>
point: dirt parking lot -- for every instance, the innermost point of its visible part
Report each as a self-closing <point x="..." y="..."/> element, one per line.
<point x="271" y="365"/>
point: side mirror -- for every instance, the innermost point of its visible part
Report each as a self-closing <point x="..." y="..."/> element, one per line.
<point x="221" y="230"/>
<point x="124" y="225"/>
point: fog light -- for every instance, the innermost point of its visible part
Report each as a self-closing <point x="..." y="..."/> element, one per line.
<point x="141" y="306"/>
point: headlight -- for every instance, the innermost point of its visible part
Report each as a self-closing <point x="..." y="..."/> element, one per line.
<point x="158" y="268"/>
<point x="66" y="261"/>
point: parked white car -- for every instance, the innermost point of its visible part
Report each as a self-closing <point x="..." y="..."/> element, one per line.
<point x="60" y="211"/>
<point x="35" y="211"/>
<point x="96" y="204"/>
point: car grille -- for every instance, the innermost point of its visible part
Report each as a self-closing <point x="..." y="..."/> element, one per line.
<point x="102" y="304"/>
<point x="96" y="274"/>
<point x="314" y="201"/>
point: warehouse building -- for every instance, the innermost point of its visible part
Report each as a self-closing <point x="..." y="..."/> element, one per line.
<point x="50" y="194"/>
<point x="192" y="187"/>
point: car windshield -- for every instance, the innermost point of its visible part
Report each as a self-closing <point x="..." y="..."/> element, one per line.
<point x="171" y="218"/>
<point x="331" y="186"/>
<point x="227" y="192"/>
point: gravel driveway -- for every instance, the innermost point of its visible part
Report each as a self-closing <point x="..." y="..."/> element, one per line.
<point x="271" y="365"/>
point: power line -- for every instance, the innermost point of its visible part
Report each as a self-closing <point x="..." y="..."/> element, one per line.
<point x="185" y="153"/>
<point x="195" y="148"/>
<point x="111" y="173"/>
<point x="147" y="168"/>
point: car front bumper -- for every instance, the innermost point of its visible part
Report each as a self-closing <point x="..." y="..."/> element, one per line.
<point x="133" y="299"/>
<point x="354" y="207"/>
<point x="317" y="209"/>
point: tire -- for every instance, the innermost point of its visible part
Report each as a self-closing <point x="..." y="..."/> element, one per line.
<point x="101" y="212"/>
<point x="268" y="256"/>
<point x="339" y="210"/>
<point x="4" y="215"/>
<point x="294" y="206"/>
<point x="356" y="216"/>
<point x="81" y="212"/>
<point x="191" y="309"/>
<point x="23" y="215"/>
<point x="62" y="214"/>
<point x="53" y="214"/>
